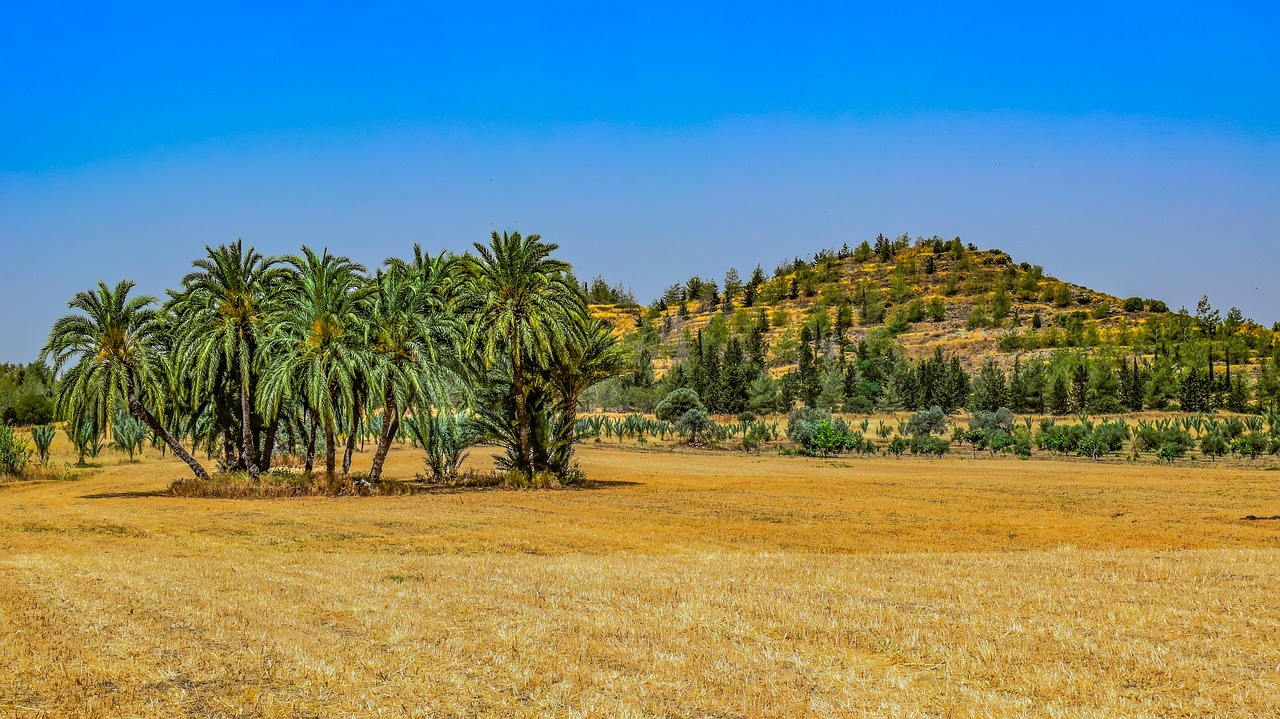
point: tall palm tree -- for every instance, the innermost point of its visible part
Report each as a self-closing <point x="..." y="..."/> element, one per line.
<point x="525" y="306"/>
<point x="115" y="344"/>
<point x="414" y="336"/>
<point x="316" y="341"/>
<point x="223" y="310"/>
<point x="591" y="355"/>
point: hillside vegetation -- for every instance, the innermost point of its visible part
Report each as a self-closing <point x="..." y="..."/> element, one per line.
<point x="854" y="329"/>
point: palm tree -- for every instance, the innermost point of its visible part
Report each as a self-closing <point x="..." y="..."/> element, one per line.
<point x="223" y="310"/>
<point x="525" y="305"/>
<point x="591" y="355"/>
<point x="115" y="344"/>
<point x="414" y="334"/>
<point x="315" y="342"/>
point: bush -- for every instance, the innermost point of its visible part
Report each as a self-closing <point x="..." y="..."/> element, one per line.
<point x="678" y="403"/>
<point x="827" y="439"/>
<point x="33" y="408"/>
<point x="1214" y="445"/>
<point x="1108" y="437"/>
<point x="755" y="435"/>
<point x="1251" y="445"/>
<point x="1134" y="304"/>
<point x="1170" y="451"/>
<point x="14" y="452"/>
<point x="444" y="436"/>
<point x="1154" y="437"/>
<point x="695" y="424"/>
<point x="897" y="446"/>
<point x="802" y="422"/>
<point x="927" y="444"/>
<point x="927" y="422"/>
<point x="43" y="435"/>
<point x="1001" y="419"/>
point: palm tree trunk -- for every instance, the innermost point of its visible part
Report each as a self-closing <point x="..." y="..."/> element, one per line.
<point x="231" y="459"/>
<point x="311" y="445"/>
<point x="269" y="445"/>
<point x="390" y="417"/>
<point x="140" y="412"/>
<point x="351" y="437"/>
<point x="330" y="448"/>
<point x="522" y="414"/>
<point x="250" y="452"/>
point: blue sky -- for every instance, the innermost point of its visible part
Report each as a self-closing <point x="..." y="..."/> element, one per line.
<point x="1135" y="149"/>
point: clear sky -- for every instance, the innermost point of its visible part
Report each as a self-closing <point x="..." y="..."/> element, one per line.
<point x="1132" y="147"/>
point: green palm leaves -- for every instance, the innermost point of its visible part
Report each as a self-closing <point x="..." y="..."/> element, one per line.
<point x="414" y="336"/>
<point x="222" y="314"/>
<point x="113" y="347"/>
<point x="312" y="346"/>
<point x="526" y="309"/>
<point x="316" y="342"/>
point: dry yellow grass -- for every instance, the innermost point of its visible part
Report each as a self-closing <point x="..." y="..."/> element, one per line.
<point x="684" y="585"/>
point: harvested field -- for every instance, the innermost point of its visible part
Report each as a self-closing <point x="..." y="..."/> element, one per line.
<point x="680" y="585"/>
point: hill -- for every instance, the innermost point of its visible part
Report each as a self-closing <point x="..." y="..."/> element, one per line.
<point x="914" y="299"/>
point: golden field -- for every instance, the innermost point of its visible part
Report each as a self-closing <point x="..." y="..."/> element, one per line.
<point x="682" y="584"/>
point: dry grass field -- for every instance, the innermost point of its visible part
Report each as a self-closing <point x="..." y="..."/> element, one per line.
<point x="683" y="584"/>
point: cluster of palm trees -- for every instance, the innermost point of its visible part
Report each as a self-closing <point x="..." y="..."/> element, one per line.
<point x="253" y="356"/>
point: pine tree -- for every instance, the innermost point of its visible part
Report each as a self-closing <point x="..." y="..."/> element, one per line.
<point x="1080" y="386"/>
<point x="957" y="385"/>
<point x="1060" y="397"/>
<point x="737" y="375"/>
<point x="809" y="373"/>
<point x="1196" y="395"/>
<point x="990" y="391"/>
<point x="884" y="248"/>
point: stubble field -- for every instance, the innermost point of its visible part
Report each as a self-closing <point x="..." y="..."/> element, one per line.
<point x="682" y="584"/>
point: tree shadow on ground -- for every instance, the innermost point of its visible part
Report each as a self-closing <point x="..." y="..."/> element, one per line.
<point x="126" y="495"/>
<point x="425" y="488"/>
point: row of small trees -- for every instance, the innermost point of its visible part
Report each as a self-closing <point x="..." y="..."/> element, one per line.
<point x="818" y="432"/>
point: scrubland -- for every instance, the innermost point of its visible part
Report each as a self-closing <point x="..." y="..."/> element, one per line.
<point x="680" y="584"/>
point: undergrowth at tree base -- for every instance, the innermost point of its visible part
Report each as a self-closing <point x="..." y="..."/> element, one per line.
<point x="284" y="484"/>
<point x="281" y="484"/>
<point x="510" y="479"/>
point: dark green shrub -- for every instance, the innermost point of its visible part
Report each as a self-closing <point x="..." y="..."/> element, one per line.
<point x="1251" y="445"/>
<point x="1155" y="436"/>
<point x="1214" y="445"/>
<point x="32" y="408"/>
<point x="1170" y="451"/>
<point x="675" y="405"/>
<point x="927" y="444"/>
